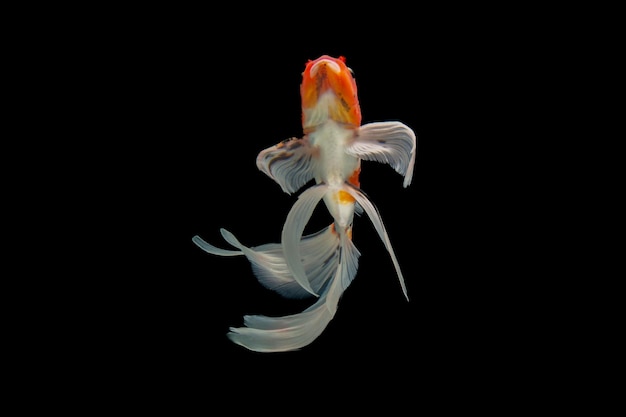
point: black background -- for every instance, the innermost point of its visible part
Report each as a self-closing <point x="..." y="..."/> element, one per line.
<point x="227" y="106"/>
<point x="184" y="107"/>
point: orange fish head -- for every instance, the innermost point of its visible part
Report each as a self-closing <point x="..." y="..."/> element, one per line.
<point x="328" y="91"/>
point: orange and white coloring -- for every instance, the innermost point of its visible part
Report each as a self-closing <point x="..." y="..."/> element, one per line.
<point x="321" y="264"/>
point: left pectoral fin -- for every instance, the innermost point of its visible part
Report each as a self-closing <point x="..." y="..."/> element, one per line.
<point x="290" y="163"/>
<point x="393" y="143"/>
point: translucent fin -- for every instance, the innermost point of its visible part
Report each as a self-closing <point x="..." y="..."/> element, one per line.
<point x="319" y="259"/>
<point x="297" y="219"/>
<point x="346" y="270"/>
<point x="393" y="143"/>
<point x="377" y="221"/>
<point x="213" y="249"/>
<point x="290" y="163"/>
<point x="319" y="253"/>
<point x="279" y="334"/>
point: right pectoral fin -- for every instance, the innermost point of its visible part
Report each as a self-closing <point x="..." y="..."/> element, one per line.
<point x="393" y="143"/>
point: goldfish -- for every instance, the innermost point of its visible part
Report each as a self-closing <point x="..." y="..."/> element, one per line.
<point x="319" y="265"/>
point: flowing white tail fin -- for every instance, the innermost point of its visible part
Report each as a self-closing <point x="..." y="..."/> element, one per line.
<point x="323" y="263"/>
<point x="268" y="262"/>
<point x="279" y="334"/>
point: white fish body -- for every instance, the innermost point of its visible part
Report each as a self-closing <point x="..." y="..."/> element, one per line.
<point x="324" y="263"/>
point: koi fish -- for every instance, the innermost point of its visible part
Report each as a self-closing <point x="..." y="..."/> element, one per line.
<point x="321" y="264"/>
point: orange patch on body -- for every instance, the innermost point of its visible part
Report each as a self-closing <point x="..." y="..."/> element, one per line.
<point x="344" y="197"/>
<point x="354" y="178"/>
<point x="348" y="231"/>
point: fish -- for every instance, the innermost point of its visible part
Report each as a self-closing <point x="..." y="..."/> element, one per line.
<point x="328" y="156"/>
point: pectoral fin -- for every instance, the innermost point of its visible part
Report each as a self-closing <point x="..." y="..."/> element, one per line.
<point x="393" y="143"/>
<point x="290" y="163"/>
